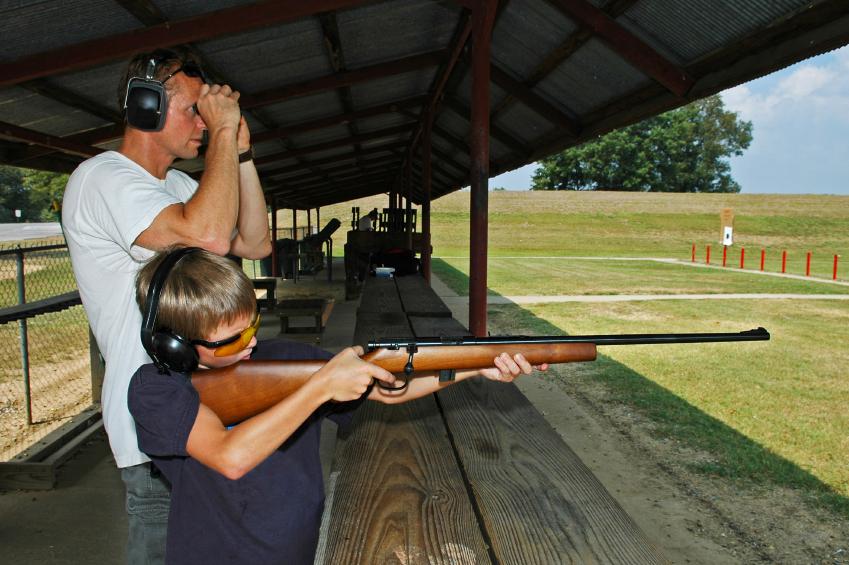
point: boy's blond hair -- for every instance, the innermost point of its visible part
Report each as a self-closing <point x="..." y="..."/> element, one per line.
<point x="201" y="292"/>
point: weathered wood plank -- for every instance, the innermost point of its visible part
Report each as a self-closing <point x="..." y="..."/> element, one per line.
<point x="373" y="325"/>
<point x="380" y="295"/>
<point x="399" y="496"/>
<point x="419" y="299"/>
<point x="539" y="502"/>
<point x="428" y="326"/>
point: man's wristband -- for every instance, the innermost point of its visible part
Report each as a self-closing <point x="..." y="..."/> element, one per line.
<point x="247" y="155"/>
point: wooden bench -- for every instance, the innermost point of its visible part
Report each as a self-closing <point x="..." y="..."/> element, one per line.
<point x="315" y="308"/>
<point x="265" y="289"/>
<point x="473" y="474"/>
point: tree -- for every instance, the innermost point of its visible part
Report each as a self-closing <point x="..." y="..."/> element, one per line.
<point x="45" y="192"/>
<point x="13" y="196"/>
<point x="683" y="150"/>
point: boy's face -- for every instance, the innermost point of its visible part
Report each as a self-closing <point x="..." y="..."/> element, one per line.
<point x="207" y="358"/>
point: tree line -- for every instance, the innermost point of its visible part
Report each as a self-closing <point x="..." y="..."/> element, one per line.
<point x="37" y="194"/>
<point x="683" y="150"/>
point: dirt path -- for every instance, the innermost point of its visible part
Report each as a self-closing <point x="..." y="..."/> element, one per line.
<point x="691" y="518"/>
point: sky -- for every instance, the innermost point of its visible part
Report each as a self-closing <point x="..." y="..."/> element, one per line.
<point x="800" y="123"/>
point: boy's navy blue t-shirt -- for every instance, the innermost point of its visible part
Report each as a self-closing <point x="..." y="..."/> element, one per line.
<point x="272" y="514"/>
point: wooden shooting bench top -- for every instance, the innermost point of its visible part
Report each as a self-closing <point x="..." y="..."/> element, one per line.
<point x="473" y="474"/>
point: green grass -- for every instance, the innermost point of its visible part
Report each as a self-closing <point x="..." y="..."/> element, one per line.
<point x="771" y="413"/>
<point x="653" y="225"/>
<point x="553" y="276"/>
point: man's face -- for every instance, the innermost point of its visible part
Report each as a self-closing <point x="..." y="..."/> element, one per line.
<point x="183" y="132"/>
<point x="206" y="356"/>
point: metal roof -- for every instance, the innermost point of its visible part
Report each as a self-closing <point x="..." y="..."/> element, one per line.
<point x="334" y="90"/>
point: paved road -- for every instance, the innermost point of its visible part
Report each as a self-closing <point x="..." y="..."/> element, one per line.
<point x="18" y="232"/>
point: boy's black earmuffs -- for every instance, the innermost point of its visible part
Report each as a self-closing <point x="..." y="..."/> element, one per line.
<point x="168" y="350"/>
<point x="146" y="103"/>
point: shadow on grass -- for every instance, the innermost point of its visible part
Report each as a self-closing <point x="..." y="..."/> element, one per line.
<point x="731" y="454"/>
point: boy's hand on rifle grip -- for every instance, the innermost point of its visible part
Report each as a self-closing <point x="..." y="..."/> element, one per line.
<point x="508" y="368"/>
<point x="347" y="377"/>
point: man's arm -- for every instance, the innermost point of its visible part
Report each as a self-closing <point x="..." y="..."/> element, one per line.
<point x="208" y="219"/>
<point x="252" y="240"/>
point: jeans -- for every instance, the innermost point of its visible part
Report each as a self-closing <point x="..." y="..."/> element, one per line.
<point x="148" y="501"/>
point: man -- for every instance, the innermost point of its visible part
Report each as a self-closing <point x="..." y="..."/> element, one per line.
<point x="122" y="206"/>
<point x="366" y="223"/>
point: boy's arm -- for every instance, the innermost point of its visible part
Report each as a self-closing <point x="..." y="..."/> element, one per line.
<point x="236" y="451"/>
<point x="505" y="369"/>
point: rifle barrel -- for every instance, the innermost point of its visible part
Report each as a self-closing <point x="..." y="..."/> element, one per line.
<point x="757" y="334"/>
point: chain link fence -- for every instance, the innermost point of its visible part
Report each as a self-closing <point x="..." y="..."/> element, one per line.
<point x="45" y="369"/>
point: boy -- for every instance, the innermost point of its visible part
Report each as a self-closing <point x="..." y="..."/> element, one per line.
<point x="252" y="493"/>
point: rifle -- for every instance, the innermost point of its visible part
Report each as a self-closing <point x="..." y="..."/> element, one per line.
<point x="250" y="387"/>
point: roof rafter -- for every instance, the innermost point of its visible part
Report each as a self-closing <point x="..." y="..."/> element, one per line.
<point x="347" y="78"/>
<point x="123" y="45"/>
<point x="627" y="45"/>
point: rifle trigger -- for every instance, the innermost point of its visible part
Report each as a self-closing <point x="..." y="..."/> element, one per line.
<point x="408" y="368"/>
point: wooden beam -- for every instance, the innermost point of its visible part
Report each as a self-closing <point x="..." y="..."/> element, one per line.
<point x="347" y="78"/>
<point x="385" y="159"/>
<point x="458" y="107"/>
<point x="386" y="132"/>
<point x="336" y="55"/>
<point x="532" y="100"/>
<point x="197" y="28"/>
<point x="627" y="45"/>
<point x="17" y="133"/>
<point x="562" y="52"/>
<point x="331" y="159"/>
<point x="483" y="18"/>
<point x="344" y="118"/>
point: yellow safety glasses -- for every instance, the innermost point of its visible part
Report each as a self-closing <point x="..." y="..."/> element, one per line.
<point x="233" y="344"/>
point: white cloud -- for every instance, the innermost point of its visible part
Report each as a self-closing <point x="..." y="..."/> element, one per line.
<point x="815" y="90"/>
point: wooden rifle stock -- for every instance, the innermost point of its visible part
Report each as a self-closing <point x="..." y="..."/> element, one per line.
<point x="247" y="388"/>
<point x="250" y="387"/>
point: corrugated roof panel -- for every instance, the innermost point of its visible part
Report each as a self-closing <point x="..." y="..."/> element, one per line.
<point x="382" y="121"/>
<point x="179" y="9"/>
<point x="464" y="91"/>
<point x="693" y="28"/>
<point x="26" y="109"/>
<point x="523" y="123"/>
<point x="30" y="27"/>
<point x="391" y="88"/>
<point x="303" y="108"/>
<point x="319" y="136"/>
<point x="269" y="57"/>
<point x="381" y="32"/>
<point x="526" y="33"/>
<point x="98" y="84"/>
<point x="592" y="77"/>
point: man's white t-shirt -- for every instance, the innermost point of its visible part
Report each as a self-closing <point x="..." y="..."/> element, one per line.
<point x="109" y="201"/>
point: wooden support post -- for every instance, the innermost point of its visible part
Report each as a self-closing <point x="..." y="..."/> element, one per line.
<point x="275" y="259"/>
<point x="426" y="190"/>
<point x="483" y="17"/>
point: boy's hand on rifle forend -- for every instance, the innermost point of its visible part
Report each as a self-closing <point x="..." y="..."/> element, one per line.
<point x="508" y="368"/>
<point x="347" y="377"/>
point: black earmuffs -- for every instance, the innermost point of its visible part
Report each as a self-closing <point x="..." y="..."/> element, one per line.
<point x="168" y="350"/>
<point x="146" y="103"/>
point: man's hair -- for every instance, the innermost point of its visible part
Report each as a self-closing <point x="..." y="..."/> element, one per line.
<point x="202" y="292"/>
<point x="167" y="61"/>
